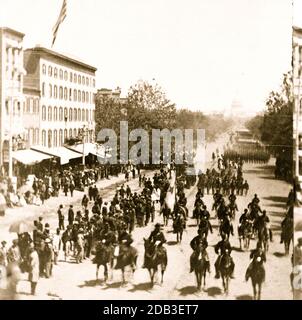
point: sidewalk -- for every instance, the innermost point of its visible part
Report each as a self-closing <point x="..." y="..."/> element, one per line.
<point x="50" y="206"/>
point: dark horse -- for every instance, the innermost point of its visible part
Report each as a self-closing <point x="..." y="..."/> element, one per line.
<point x="226" y="227"/>
<point x="257" y="276"/>
<point x="127" y="256"/>
<point x="200" y="265"/>
<point x="245" y="233"/>
<point x="263" y="237"/>
<point x="225" y="269"/>
<point x="166" y="212"/>
<point x="156" y="255"/>
<point x="103" y="257"/>
<point x="178" y="227"/>
<point x="287" y="234"/>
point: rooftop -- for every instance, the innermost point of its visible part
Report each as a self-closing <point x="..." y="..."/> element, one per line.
<point x="9" y="30"/>
<point x="45" y="51"/>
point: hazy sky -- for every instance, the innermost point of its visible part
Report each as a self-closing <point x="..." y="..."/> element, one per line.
<point x="204" y="53"/>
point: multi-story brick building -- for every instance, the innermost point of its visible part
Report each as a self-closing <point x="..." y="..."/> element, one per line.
<point x="67" y="97"/>
<point x="12" y="133"/>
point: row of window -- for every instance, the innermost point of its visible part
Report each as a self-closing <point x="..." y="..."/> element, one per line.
<point x="72" y="77"/>
<point x="56" y="138"/>
<point x="67" y="94"/>
<point x="67" y="114"/>
<point x="31" y="106"/>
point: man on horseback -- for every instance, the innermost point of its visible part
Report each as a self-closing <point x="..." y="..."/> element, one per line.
<point x="199" y="243"/>
<point x="157" y="238"/>
<point x="257" y="254"/>
<point x="205" y="226"/>
<point x="263" y="222"/>
<point x="220" y="248"/>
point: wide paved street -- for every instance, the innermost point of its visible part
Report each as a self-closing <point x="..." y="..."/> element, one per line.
<point x="77" y="281"/>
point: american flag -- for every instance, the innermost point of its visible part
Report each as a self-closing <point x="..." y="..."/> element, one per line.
<point x="61" y="18"/>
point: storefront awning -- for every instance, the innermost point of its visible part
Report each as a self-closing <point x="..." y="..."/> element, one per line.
<point x="61" y="152"/>
<point x="29" y="157"/>
<point x="92" y="148"/>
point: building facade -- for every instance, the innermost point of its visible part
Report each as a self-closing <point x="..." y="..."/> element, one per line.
<point x="297" y="116"/>
<point x="12" y="133"/>
<point x="60" y="97"/>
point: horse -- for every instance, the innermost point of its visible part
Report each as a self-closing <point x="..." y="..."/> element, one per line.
<point x="156" y="256"/>
<point x="178" y="227"/>
<point x="103" y="257"/>
<point x="232" y="209"/>
<point x="225" y="269"/>
<point x="257" y="275"/>
<point x="127" y="256"/>
<point x="226" y="228"/>
<point x="287" y="234"/>
<point x="245" y="232"/>
<point x="263" y="237"/>
<point x="167" y="214"/>
<point x="200" y="266"/>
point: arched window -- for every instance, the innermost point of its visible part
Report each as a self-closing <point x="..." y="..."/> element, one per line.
<point x="61" y="93"/>
<point x="60" y="137"/>
<point x="70" y="114"/>
<point x="43" y="138"/>
<point x="87" y="81"/>
<point x="55" y="92"/>
<point x="87" y="97"/>
<point x="65" y="76"/>
<point x="75" y="78"/>
<point x="83" y="96"/>
<point x="61" y="114"/>
<point x="43" y="113"/>
<point x="75" y="95"/>
<point x="65" y="135"/>
<point x="37" y="137"/>
<point x="44" y="69"/>
<point x="65" y="93"/>
<point x="79" y="96"/>
<point x="61" y="74"/>
<point x="55" y="138"/>
<point x="50" y="91"/>
<point x="49" y="113"/>
<point x="83" y="115"/>
<point x="55" y="72"/>
<point x="43" y="89"/>
<point x="83" y="80"/>
<point x="65" y="114"/>
<point x="79" y="79"/>
<point x="70" y="133"/>
<point x="55" y="114"/>
<point x="75" y="114"/>
<point x="70" y="94"/>
<point x="87" y="116"/>
<point x="50" y="71"/>
<point x="79" y="114"/>
<point x="37" y="106"/>
<point x="49" y="139"/>
<point x="70" y="77"/>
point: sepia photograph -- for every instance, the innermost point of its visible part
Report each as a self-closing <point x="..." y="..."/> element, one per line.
<point x="150" y="150"/>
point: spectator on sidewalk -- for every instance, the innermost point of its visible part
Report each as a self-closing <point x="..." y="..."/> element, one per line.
<point x="34" y="268"/>
<point x="61" y="218"/>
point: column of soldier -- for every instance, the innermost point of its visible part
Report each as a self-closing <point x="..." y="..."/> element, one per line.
<point x="109" y="222"/>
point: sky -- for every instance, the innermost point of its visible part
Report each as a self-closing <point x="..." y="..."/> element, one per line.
<point x="203" y="53"/>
